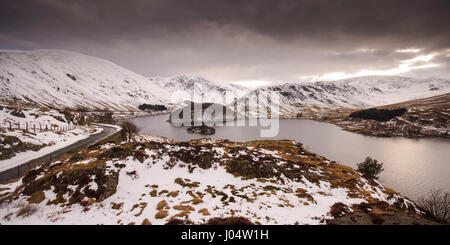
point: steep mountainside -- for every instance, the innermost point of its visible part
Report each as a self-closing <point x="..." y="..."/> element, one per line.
<point x="57" y="79"/>
<point x="361" y="92"/>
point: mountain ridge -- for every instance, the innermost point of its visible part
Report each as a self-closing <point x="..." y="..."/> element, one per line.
<point x="60" y="78"/>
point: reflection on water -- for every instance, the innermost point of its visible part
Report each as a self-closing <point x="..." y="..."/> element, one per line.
<point x="411" y="166"/>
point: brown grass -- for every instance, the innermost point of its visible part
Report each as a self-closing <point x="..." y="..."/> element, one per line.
<point x="175" y="221"/>
<point x="179" y="215"/>
<point x="161" y="214"/>
<point x="153" y="193"/>
<point x="161" y="205"/>
<point x="381" y="212"/>
<point x="339" y="209"/>
<point x="173" y="194"/>
<point x="204" y="212"/>
<point x="142" y="205"/>
<point x="146" y="222"/>
<point x="195" y="199"/>
<point x="37" y="197"/>
<point x="229" y="221"/>
<point x="184" y="208"/>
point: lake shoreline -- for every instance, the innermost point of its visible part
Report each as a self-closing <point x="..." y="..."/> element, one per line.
<point x="421" y="159"/>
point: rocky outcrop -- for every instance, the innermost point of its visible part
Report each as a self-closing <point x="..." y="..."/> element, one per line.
<point x="205" y="130"/>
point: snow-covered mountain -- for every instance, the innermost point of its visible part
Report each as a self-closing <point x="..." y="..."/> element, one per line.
<point x="58" y="78"/>
<point x="360" y="92"/>
<point x="207" y="90"/>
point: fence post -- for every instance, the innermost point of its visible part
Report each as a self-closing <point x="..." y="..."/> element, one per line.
<point x="18" y="125"/>
<point x="10" y="126"/>
<point x="26" y="123"/>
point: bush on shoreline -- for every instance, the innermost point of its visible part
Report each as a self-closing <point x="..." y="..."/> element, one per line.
<point x="370" y="168"/>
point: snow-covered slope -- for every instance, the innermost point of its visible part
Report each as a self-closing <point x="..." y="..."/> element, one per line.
<point x="207" y="90"/>
<point x="360" y="92"/>
<point x="58" y="78"/>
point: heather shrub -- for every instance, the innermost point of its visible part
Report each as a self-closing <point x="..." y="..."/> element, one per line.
<point x="370" y="168"/>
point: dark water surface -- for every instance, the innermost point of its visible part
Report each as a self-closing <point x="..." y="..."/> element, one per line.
<point x="411" y="166"/>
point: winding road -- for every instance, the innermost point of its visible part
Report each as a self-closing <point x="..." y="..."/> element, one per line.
<point x="18" y="170"/>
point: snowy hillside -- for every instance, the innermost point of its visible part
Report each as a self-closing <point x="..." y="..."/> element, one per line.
<point x="360" y="92"/>
<point x="58" y="78"/>
<point x="208" y="90"/>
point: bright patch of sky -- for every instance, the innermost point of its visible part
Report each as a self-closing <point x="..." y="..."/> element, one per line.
<point x="415" y="63"/>
<point x="408" y="50"/>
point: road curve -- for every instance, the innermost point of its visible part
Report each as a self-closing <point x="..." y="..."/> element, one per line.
<point x="15" y="172"/>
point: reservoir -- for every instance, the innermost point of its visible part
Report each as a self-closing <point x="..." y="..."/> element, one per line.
<point x="411" y="166"/>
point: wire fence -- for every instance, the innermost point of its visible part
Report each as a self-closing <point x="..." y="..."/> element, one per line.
<point x="35" y="127"/>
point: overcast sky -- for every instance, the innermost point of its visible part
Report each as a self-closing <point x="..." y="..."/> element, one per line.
<point x="229" y="41"/>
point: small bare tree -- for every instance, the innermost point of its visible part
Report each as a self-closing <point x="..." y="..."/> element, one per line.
<point x="437" y="204"/>
<point x="129" y="129"/>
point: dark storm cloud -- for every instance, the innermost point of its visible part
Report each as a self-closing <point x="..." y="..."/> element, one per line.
<point x="229" y="40"/>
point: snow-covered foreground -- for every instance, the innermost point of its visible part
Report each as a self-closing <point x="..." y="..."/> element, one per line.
<point x="160" y="180"/>
<point x="18" y="146"/>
